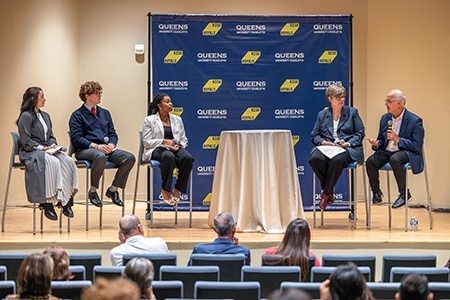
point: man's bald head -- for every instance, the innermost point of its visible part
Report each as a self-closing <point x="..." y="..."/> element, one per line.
<point x="129" y="225"/>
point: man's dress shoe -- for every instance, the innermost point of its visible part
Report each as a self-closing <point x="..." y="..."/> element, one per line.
<point x="95" y="200"/>
<point x="49" y="211"/>
<point x="401" y="200"/>
<point x="114" y="196"/>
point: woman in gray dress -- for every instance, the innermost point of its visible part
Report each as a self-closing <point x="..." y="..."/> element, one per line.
<point x="50" y="175"/>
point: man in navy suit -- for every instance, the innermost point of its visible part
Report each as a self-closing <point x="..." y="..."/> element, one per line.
<point x="399" y="141"/>
<point x="226" y="242"/>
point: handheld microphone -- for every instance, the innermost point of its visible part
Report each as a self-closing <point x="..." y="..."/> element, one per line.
<point x="63" y="149"/>
<point x="390" y="124"/>
<point x="106" y="140"/>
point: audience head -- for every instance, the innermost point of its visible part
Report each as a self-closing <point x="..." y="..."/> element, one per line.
<point x="414" y="287"/>
<point x="89" y="88"/>
<point x="224" y="225"/>
<point x="61" y="263"/>
<point x="141" y="271"/>
<point x="129" y="226"/>
<point x="35" y="276"/>
<point x="335" y="90"/>
<point x="117" y="289"/>
<point x="153" y="106"/>
<point x="346" y="283"/>
<point x="289" y="294"/>
<point x="294" y="248"/>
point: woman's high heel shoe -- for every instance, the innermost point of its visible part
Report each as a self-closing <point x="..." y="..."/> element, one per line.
<point x="168" y="201"/>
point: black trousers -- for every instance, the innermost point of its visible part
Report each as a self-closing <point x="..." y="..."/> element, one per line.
<point x="396" y="159"/>
<point x="329" y="170"/>
<point x="169" y="160"/>
<point x="125" y="160"/>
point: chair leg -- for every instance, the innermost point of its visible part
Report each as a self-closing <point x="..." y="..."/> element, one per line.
<point x="190" y="199"/>
<point x="87" y="199"/>
<point x="123" y="206"/>
<point x="135" y="189"/>
<point x="101" y="208"/>
<point x="151" y="196"/>
<point x="389" y="198"/>
<point x="176" y="213"/>
<point x="6" y="199"/>
<point x="406" y="200"/>
<point x="60" y="218"/>
<point x="34" y="218"/>
<point x="314" y="199"/>
<point x="42" y="220"/>
<point x="353" y="199"/>
<point x="428" y="197"/>
<point x="368" y="190"/>
<point x="365" y="194"/>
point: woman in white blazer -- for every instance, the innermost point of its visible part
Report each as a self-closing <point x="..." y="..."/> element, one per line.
<point x="164" y="140"/>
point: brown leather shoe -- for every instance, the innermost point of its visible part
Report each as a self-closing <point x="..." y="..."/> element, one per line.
<point x="331" y="200"/>
<point x="323" y="200"/>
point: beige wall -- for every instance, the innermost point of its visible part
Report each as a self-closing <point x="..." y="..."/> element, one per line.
<point x="59" y="44"/>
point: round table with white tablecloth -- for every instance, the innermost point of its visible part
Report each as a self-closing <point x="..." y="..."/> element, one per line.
<point x="256" y="180"/>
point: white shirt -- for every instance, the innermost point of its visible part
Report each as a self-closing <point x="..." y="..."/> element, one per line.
<point x="138" y="244"/>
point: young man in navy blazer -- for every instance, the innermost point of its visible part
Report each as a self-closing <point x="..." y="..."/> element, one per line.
<point x="94" y="137"/>
<point x="399" y="141"/>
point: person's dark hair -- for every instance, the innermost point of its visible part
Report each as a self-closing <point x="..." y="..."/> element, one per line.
<point x="141" y="271"/>
<point x="116" y="289"/>
<point x="35" y="276"/>
<point x="128" y="224"/>
<point x="294" y="248"/>
<point x="347" y="283"/>
<point x="153" y="106"/>
<point x="289" y="294"/>
<point x="61" y="263"/>
<point x="224" y="223"/>
<point x="29" y="101"/>
<point x="414" y="287"/>
<point x="89" y="88"/>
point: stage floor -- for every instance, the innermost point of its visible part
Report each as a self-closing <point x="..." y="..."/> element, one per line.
<point x="337" y="227"/>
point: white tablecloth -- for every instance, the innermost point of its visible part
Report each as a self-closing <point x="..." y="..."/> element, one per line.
<point x="255" y="179"/>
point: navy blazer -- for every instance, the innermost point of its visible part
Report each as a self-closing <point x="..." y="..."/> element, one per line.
<point x="411" y="138"/>
<point x="222" y="246"/>
<point x="86" y="128"/>
<point x="350" y="129"/>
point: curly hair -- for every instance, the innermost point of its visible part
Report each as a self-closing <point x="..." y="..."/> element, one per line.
<point x="61" y="263"/>
<point x="89" y="88"/>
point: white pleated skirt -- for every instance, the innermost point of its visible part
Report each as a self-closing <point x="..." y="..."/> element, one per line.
<point x="61" y="180"/>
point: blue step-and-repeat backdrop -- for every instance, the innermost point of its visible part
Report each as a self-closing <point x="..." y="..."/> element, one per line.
<point x="226" y="72"/>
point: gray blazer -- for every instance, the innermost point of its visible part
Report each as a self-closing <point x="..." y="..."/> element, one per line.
<point x="31" y="134"/>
